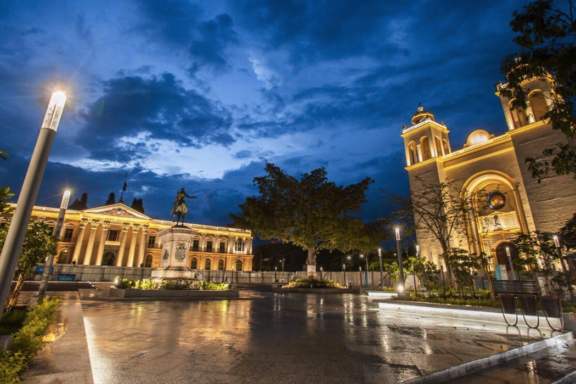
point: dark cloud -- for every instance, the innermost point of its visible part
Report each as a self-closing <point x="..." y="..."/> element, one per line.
<point x="158" y="107"/>
<point x="214" y="37"/>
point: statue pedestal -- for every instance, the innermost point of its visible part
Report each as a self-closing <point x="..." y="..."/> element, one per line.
<point x="176" y="243"/>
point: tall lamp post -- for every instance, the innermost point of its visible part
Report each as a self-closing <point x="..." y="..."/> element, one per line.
<point x="512" y="271"/>
<point x="559" y="250"/>
<point x="366" y="271"/>
<point x="400" y="268"/>
<point x="28" y="193"/>
<point x="55" y="233"/>
<point x="381" y="270"/>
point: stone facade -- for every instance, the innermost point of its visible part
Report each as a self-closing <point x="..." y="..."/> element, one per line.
<point x="118" y="235"/>
<point x="494" y="164"/>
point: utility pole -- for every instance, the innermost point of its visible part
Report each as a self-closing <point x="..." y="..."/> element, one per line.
<point x="381" y="270"/>
<point x="29" y="193"/>
<point x="56" y="233"/>
<point x="401" y="286"/>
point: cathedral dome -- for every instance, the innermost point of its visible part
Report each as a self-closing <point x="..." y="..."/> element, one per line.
<point x="421" y="115"/>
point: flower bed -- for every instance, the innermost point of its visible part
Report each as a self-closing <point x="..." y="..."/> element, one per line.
<point x="27" y="341"/>
<point x="313" y="283"/>
<point x="172" y="285"/>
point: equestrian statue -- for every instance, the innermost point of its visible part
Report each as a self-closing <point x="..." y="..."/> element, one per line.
<point x="180" y="208"/>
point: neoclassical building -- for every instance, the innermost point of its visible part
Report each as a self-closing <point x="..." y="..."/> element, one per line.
<point x="117" y="235"/>
<point x="495" y="165"/>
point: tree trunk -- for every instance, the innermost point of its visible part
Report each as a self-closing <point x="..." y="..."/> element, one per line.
<point x="490" y="286"/>
<point x="416" y="291"/>
<point x="16" y="292"/>
<point x="311" y="263"/>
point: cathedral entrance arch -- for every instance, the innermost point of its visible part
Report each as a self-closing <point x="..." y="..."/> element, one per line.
<point x="108" y="258"/>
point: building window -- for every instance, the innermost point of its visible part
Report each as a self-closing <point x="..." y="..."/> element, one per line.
<point x="194" y="263"/>
<point x="222" y="247"/>
<point x="413" y="151"/>
<point x="108" y="259"/>
<point x="238" y="265"/>
<point x="240" y="245"/>
<point x="151" y="241"/>
<point x="112" y="235"/>
<point x="208" y="246"/>
<point x="538" y="104"/>
<point x="63" y="256"/>
<point x="196" y="245"/>
<point x="221" y="264"/>
<point x="438" y="147"/>
<point x="425" y="146"/>
<point x="148" y="261"/>
<point x="68" y="232"/>
<point x="518" y="116"/>
<point x="207" y="264"/>
<point x="446" y="147"/>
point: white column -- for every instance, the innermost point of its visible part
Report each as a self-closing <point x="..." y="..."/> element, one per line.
<point x="90" y="247"/>
<point x="529" y="113"/>
<point x="103" y="236"/>
<point x="142" y="247"/>
<point x="231" y="241"/>
<point x="216" y="245"/>
<point x="123" y="236"/>
<point x="133" y="239"/>
<point x="249" y="247"/>
<point x="203" y="242"/>
<point x="79" y="239"/>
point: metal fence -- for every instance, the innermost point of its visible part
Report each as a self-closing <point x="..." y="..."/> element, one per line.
<point x="69" y="272"/>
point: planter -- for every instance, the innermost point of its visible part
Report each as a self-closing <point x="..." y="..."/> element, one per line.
<point x="316" y="290"/>
<point x="169" y="294"/>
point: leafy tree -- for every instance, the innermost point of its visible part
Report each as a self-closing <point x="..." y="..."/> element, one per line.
<point x="486" y="261"/>
<point x="391" y="269"/>
<point x="5" y="196"/>
<point x="111" y="199"/>
<point x="311" y="212"/>
<point x="462" y="264"/>
<point x="80" y="205"/>
<point x="568" y="234"/>
<point x="38" y="244"/>
<point x="429" y="274"/>
<point x="546" y="37"/>
<point x="415" y="266"/>
<point x="138" y="204"/>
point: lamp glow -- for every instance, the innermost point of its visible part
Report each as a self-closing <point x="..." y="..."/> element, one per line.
<point x="400" y="288"/>
<point x="54" y="111"/>
<point x="65" y="199"/>
<point x="397" y="233"/>
<point x="556" y="241"/>
<point x="508" y="251"/>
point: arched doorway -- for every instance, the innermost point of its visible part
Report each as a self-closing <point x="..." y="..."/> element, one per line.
<point x="221" y="264"/>
<point x="108" y="258"/>
<point x="208" y="264"/>
<point x="194" y="263"/>
<point x="63" y="256"/>
<point x="148" y="261"/>
<point x="502" y="256"/>
<point x="238" y="265"/>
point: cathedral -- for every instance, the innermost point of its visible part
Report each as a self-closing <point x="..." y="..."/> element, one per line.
<point x="495" y="165"/>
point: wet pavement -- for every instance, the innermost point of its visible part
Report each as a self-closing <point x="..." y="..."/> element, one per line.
<point x="280" y="338"/>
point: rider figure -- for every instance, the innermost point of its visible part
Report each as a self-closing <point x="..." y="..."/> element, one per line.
<point x="180" y="208"/>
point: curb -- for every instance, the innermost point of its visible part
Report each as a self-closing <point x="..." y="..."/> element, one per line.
<point x="491" y="361"/>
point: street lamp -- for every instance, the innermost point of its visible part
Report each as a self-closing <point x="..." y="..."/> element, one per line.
<point x="321" y="269"/>
<point x="400" y="268"/>
<point x="29" y="193"/>
<point x="381" y="270"/>
<point x="365" y="272"/>
<point x="55" y="233"/>
<point x="417" y="250"/>
<point x="512" y="272"/>
<point x="559" y="250"/>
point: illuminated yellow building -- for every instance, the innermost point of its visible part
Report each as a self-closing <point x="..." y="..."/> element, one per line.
<point x="516" y="202"/>
<point x="117" y="235"/>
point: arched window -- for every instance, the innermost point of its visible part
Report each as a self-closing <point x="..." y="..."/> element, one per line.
<point x="221" y="264"/>
<point x="108" y="258"/>
<point x="518" y="116"/>
<point x="63" y="256"/>
<point x="438" y="146"/>
<point x="502" y="256"/>
<point x="148" y="261"/>
<point x="446" y="147"/>
<point x="208" y="264"/>
<point x="194" y="263"/>
<point x="538" y="104"/>
<point x="413" y="153"/>
<point x="425" y="147"/>
<point x="238" y="265"/>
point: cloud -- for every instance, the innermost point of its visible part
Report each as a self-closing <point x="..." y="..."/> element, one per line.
<point x="153" y="108"/>
<point x="214" y="36"/>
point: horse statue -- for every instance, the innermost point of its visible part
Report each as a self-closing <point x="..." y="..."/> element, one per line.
<point x="180" y="208"/>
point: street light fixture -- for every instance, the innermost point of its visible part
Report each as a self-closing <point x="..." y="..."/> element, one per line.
<point x="29" y="193"/>
<point x="400" y="268"/>
<point x="512" y="272"/>
<point x="381" y="270"/>
<point x="559" y="250"/>
<point x="365" y="272"/>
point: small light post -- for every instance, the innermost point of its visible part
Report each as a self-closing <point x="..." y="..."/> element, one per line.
<point x="29" y="193"/>
<point x="283" y="260"/>
<point x="512" y="272"/>
<point x="366" y="271"/>
<point x="400" y="268"/>
<point x="275" y="272"/>
<point x="321" y="277"/>
<point x="559" y="250"/>
<point x="344" y="271"/>
<point x="381" y="269"/>
<point x="417" y="251"/>
<point x="55" y="233"/>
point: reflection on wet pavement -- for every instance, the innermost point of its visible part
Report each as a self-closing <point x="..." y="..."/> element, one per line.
<point x="280" y="338"/>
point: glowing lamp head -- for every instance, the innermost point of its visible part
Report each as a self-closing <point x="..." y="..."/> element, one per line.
<point x="54" y="111"/>
<point x="362" y="256"/>
<point x="397" y="230"/>
<point x="508" y="251"/>
<point x="400" y="288"/>
<point x="65" y="199"/>
<point x="556" y="241"/>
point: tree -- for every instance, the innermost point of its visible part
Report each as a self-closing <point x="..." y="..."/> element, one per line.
<point x="546" y="37"/>
<point x="415" y="266"/>
<point x="5" y="195"/>
<point x="311" y="212"/>
<point x="80" y="205"/>
<point x="462" y="264"/>
<point x="486" y="261"/>
<point x="568" y="234"/>
<point x="391" y="269"/>
<point x="111" y="199"/>
<point x="38" y="244"/>
<point x="138" y="204"/>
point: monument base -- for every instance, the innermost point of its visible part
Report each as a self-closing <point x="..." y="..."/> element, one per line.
<point x="172" y="273"/>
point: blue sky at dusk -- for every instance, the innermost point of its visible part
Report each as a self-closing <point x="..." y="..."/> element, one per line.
<point x="201" y="94"/>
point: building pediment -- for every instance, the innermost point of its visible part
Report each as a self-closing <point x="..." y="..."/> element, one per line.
<point x="117" y="210"/>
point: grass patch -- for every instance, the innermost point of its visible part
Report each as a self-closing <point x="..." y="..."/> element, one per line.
<point x="172" y="285"/>
<point x="435" y="299"/>
<point x="27" y="341"/>
<point x="313" y="283"/>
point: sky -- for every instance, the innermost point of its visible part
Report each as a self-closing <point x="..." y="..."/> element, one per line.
<point x="200" y="95"/>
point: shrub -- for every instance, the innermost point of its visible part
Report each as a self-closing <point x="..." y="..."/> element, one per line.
<point x="314" y="283"/>
<point x="12" y="321"/>
<point x="27" y="341"/>
<point x="172" y="285"/>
